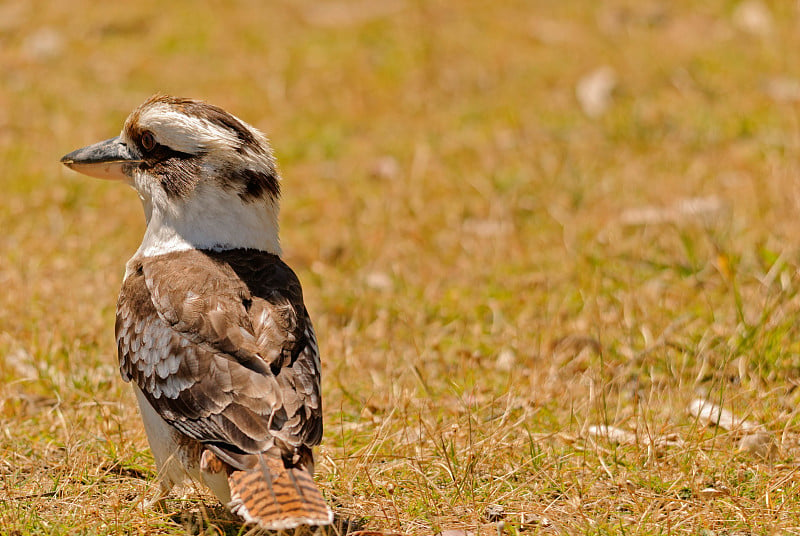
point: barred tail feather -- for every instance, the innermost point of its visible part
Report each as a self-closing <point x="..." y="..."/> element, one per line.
<point x="276" y="497"/>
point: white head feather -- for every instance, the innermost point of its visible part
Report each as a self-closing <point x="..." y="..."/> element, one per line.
<point x="214" y="212"/>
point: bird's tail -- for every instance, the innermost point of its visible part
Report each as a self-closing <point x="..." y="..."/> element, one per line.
<point x="276" y="497"/>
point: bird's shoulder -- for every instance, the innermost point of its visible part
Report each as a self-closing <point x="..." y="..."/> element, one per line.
<point x="242" y="302"/>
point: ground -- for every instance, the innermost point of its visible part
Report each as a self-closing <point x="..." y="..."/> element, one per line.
<point x="531" y="234"/>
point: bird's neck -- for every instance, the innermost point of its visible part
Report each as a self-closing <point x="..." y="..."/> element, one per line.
<point x="217" y="221"/>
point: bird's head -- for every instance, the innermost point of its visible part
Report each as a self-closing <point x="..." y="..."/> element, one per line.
<point x="206" y="178"/>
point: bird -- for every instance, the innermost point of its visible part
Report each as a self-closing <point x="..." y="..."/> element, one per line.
<point x="211" y="327"/>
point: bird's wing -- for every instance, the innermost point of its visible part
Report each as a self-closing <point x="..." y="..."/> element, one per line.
<point x="221" y="345"/>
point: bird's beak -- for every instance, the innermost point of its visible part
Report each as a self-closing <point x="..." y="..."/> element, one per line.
<point x="109" y="159"/>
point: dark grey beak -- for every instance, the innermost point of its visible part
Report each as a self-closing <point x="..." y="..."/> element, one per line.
<point x="109" y="159"/>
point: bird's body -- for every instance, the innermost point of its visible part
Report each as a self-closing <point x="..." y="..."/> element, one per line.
<point x="211" y="327"/>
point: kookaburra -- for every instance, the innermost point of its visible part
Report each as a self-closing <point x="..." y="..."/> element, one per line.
<point x="211" y="327"/>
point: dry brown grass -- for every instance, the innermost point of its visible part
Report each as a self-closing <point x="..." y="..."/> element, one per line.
<point x="491" y="272"/>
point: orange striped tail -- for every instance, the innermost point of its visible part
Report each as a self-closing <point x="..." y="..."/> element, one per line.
<point x="276" y="497"/>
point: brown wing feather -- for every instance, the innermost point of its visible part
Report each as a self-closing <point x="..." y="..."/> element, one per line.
<point x="222" y="346"/>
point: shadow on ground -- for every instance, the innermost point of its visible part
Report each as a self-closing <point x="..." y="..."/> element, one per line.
<point x="204" y="519"/>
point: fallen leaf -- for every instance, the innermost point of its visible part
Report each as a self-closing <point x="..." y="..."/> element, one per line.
<point x="783" y="89"/>
<point x="594" y="91"/>
<point x="612" y="434"/>
<point x="506" y="360"/>
<point x="753" y="17"/>
<point x="761" y="444"/>
<point x="717" y="415"/>
<point x="379" y="281"/>
<point x="709" y="493"/>
<point x="494" y="513"/>
<point x="692" y="208"/>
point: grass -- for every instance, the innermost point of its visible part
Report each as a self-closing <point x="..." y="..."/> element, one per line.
<point x="490" y="270"/>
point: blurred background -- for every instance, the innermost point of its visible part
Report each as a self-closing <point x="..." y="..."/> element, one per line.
<point x="511" y="221"/>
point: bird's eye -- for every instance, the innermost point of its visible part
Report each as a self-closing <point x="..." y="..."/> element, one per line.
<point x="148" y="140"/>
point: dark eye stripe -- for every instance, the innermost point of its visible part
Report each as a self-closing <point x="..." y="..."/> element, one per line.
<point x="177" y="171"/>
<point x="160" y="153"/>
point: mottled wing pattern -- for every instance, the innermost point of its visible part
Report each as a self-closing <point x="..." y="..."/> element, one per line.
<point x="222" y="347"/>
